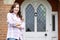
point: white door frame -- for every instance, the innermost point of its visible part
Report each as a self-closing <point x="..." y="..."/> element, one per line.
<point x="55" y="33"/>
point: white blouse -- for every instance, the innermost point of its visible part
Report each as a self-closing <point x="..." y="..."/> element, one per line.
<point x="13" y="31"/>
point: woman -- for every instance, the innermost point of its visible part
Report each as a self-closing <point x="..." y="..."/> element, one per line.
<point x="15" y="23"/>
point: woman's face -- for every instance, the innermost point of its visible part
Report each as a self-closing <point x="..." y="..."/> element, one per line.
<point x="16" y="9"/>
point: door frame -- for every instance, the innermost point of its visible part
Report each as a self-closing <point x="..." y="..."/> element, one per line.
<point x="55" y="33"/>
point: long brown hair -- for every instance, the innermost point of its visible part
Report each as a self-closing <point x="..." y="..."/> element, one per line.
<point x="19" y="12"/>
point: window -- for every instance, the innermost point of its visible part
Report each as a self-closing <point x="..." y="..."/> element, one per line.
<point x="53" y="22"/>
<point x="29" y="18"/>
<point x="41" y="18"/>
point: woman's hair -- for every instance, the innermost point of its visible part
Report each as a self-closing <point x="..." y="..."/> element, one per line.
<point x="13" y="6"/>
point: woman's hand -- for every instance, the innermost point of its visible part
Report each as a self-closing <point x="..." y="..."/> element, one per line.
<point x="18" y="25"/>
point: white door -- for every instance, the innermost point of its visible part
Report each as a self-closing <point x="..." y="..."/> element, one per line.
<point x="38" y="20"/>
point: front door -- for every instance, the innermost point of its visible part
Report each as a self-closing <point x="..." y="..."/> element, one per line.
<point x="38" y="21"/>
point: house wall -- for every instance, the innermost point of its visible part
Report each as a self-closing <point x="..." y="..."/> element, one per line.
<point x="59" y="20"/>
<point x="4" y="9"/>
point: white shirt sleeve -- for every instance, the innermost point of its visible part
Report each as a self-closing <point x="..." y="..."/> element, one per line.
<point x="10" y="19"/>
<point x="22" y="26"/>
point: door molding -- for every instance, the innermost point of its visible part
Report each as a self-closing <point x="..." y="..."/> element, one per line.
<point x="55" y="33"/>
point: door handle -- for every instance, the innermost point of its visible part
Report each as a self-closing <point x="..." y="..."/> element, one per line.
<point x="46" y="34"/>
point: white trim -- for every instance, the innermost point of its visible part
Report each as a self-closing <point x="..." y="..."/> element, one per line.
<point x="55" y="33"/>
<point x="9" y="2"/>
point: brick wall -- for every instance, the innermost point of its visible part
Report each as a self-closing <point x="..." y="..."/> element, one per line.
<point x="4" y="9"/>
<point x="59" y="20"/>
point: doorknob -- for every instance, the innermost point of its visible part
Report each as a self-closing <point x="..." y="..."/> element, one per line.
<point x="46" y="34"/>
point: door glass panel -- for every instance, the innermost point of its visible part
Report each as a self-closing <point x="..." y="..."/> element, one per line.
<point x="41" y="18"/>
<point x="29" y="18"/>
<point x="53" y="22"/>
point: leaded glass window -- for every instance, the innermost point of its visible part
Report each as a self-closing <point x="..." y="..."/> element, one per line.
<point x="41" y="18"/>
<point x="29" y="18"/>
<point x="53" y="23"/>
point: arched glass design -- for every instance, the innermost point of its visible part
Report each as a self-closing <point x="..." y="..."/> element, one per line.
<point x="29" y="18"/>
<point x="41" y="18"/>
